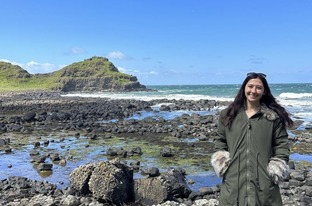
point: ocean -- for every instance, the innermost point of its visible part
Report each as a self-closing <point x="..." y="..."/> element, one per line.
<point x="296" y="98"/>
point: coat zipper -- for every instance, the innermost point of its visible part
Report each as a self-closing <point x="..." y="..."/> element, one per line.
<point x="248" y="161"/>
<point x="237" y="198"/>
<point x="257" y="171"/>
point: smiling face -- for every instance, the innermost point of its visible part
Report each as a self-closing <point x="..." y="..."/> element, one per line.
<point x="254" y="90"/>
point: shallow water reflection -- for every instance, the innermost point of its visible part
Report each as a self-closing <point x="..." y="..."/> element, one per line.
<point x="299" y="157"/>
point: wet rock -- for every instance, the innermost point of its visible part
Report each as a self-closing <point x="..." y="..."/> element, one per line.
<point x="55" y="157"/>
<point x="111" y="152"/>
<point x="308" y="126"/>
<point x="3" y="128"/>
<point x="63" y="162"/>
<point x="164" y="108"/>
<point x="206" y="190"/>
<point x="29" y="116"/>
<point x="136" y="150"/>
<point x="36" y="144"/>
<point x="46" y="142"/>
<point x="135" y="164"/>
<point x="190" y="181"/>
<point x="166" y="152"/>
<point x="154" y="172"/>
<point x="14" y="127"/>
<point x="39" y="158"/>
<point x="45" y="167"/>
<point x="34" y="153"/>
<point x="121" y="152"/>
<point x="151" y="172"/>
<point x="4" y="142"/>
<point x="8" y="150"/>
<point x="93" y="137"/>
<point x="203" y="138"/>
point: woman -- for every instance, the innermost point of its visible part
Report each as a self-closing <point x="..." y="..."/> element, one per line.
<point x="252" y="148"/>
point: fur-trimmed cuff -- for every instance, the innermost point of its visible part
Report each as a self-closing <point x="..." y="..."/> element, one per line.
<point x="278" y="169"/>
<point x="220" y="161"/>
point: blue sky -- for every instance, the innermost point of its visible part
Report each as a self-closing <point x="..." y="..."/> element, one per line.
<point x="163" y="42"/>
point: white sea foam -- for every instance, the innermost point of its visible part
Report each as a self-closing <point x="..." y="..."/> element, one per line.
<point x="295" y="102"/>
<point x="298" y="108"/>
<point x="148" y="97"/>
<point x="290" y="95"/>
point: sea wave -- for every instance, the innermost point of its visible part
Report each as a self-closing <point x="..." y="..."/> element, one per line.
<point x="296" y="103"/>
<point x="290" y="95"/>
<point x="149" y="96"/>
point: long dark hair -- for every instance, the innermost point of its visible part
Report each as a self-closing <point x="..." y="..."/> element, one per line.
<point x="266" y="99"/>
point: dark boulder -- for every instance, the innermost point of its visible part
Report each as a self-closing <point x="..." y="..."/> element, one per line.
<point x="166" y="152"/>
<point x="155" y="190"/>
<point x="29" y="116"/>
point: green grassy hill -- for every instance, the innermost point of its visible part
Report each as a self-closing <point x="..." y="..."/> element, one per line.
<point x="94" y="74"/>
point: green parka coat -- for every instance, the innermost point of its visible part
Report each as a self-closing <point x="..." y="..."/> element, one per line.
<point x="252" y="143"/>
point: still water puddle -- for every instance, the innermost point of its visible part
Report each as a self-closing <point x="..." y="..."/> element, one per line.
<point x="300" y="157"/>
<point x="166" y="115"/>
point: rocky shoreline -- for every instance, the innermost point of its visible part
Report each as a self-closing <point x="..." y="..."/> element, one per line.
<point x="29" y="113"/>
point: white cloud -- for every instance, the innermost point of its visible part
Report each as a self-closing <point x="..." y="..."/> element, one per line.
<point x="5" y="60"/>
<point x="34" y="67"/>
<point x="136" y="72"/>
<point x="11" y="62"/>
<point x="122" y="69"/>
<point x="117" y="55"/>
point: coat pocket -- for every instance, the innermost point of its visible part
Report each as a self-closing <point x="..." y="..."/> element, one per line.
<point x="229" y="189"/>
<point x="263" y="179"/>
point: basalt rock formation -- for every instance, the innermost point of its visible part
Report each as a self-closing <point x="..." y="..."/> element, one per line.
<point x="95" y="74"/>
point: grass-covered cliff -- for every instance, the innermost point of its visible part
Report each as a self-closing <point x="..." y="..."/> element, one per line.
<point x="94" y="74"/>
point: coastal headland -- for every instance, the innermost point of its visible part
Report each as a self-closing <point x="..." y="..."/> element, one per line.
<point x="50" y="143"/>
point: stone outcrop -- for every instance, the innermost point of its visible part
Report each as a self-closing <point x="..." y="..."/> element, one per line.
<point x="166" y="187"/>
<point x="95" y="74"/>
<point x="99" y="84"/>
<point x="109" y="181"/>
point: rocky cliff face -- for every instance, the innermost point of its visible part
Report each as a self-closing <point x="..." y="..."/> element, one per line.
<point x="96" y="74"/>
